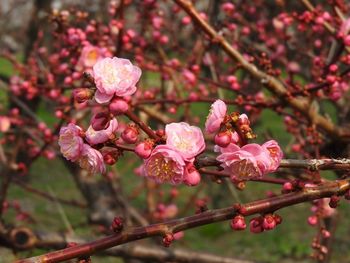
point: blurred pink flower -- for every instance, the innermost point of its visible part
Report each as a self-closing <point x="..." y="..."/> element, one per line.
<point x="70" y="142"/>
<point x="115" y="76"/>
<point x="165" y="165"/>
<point x="91" y="160"/>
<point x="101" y="136"/>
<point x="5" y="123"/>
<point x="187" y="140"/>
<point x="216" y="116"/>
<point x="275" y="153"/>
<point x="89" y="56"/>
<point x="250" y="161"/>
<point x="166" y="211"/>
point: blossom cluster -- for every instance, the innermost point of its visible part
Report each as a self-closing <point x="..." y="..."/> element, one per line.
<point x="173" y="162"/>
<point x="246" y="162"/>
<point x="75" y="149"/>
<point x="114" y="78"/>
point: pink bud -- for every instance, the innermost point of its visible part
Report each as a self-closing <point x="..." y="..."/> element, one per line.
<point x="118" y="106"/>
<point x="325" y="233"/>
<point x="312" y="220"/>
<point x="144" y="149"/>
<point x="255" y="225"/>
<point x="192" y="176"/>
<point x="228" y="7"/>
<point x="130" y="134"/>
<point x="81" y="95"/>
<point x="179" y="235"/>
<point x="100" y="121"/>
<point x="117" y="224"/>
<point x="186" y="20"/>
<point x="167" y="239"/>
<point x="238" y="223"/>
<point x="333" y="68"/>
<point x="223" y="139"/>
<point x="269" y="222"/>
<point x="288" y="186"/>
<point x="331" y="79"/>
<point x="347" y="40"/>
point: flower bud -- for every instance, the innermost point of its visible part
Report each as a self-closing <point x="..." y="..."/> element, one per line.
<point x="255" y="225"/>
<point x="223" y="139"/>
<point x="100" y="121"/>
<point x="269" y="222"/>
<point x="144" y="149"/>
<point x="117" y="224"/>
<point x="325" y="233"/>
<point x="130" y="134"/>
<point x="312" y="220"/>
<point x="192" y="176"/>
<point x="118" y="106"/>
<point x="333" y="203"/>
<point x="167" y="239"/>
<point x="287" y="187"/>
<point x="238" y="223"/>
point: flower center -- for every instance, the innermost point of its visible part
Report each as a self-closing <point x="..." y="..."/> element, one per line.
<point x="244" y="169"/>
<point x="161" y="168"/>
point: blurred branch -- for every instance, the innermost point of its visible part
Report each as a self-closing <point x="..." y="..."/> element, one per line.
<point x="270" y="82"/>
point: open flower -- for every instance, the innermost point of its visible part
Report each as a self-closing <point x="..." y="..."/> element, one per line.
<point x="216" y="116"/>
<point x="91" y="160"/>
<point x="275" y="153"/>
<point x="70" y="142"/>
<point x="101" y="136"/>
<point x="187" y="140"/>
<point x="115" y="76"/>
<point x="250" y="161"/>
<point x="165" y="165"/>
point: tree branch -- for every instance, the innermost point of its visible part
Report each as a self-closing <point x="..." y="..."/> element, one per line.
<point x="131" y="234"/>
<point x="270" y="82"/>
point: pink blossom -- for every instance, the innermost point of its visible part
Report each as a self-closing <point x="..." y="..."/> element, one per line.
<point x="101" y="136"/>
<point x="90" y="55"/>
<point x="165" y="165"/>
<point x="5" y="123"/>
<point x="187" y="140"/>
<point x="91" y="160"/>
<point x="275" y="153"/>
<point x="115" y="76"/>
<point x="189" y="76"/>
<point x="250" y="161"/>
<point x="216" y="116"/>
<point x="344" y="28"/>
<point x="70" y="142"/>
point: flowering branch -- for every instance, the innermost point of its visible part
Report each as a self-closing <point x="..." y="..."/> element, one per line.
<point x="271" y="83"/>
<point x="162" y="229"/>
<point x="24" y="238"/>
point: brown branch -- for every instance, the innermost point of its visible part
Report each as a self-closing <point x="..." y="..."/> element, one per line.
<point x="24" y="238"/>
<point x="317" y="164"/>
<point x="310" y="164"/>
<point x="46" y="195"/>
<point x="132" y="116"/>
<point x="271" y="83"/>
<point x="173" y="226"/>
